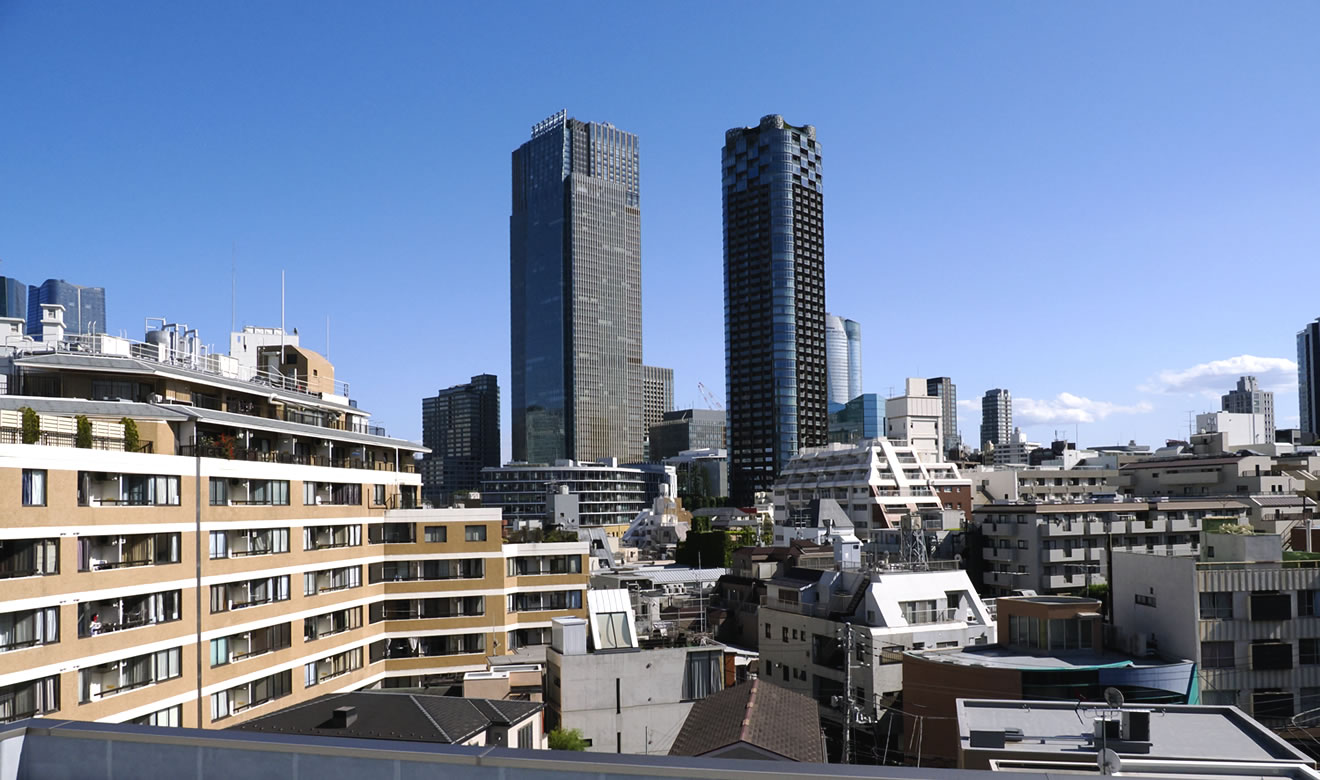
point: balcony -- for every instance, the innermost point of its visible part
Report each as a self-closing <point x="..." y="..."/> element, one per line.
<point x="1003" y="554"/>
<point x="110" y="615"/>
<point x="919" y="617"/>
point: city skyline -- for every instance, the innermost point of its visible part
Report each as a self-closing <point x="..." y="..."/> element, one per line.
<point x="239" y="177"/>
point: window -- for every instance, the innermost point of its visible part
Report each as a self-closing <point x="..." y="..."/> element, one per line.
<point x="331" y="623"/>
<point x="436" y="534"/>
<point x="29" y="699"/>
<point x="28" y="557"/>
<point x="1308" y="603"/>
<point x="219" y="545"/>
<point x="97" y="682"/>
<point x="327" y="580"/>
<point x="703" y="674"/>
<point x="318" y="672"/>
<point x="1268" y="654"/>
<point x="1272" y="706"/>
<point x="273" y="492"/>
<point x="243" y="697"/>
<point x="785" y="633"/>
<point x="767" y="630"/>
<point x="249" y="593"/>
<point x="378" y="495"/>
<point x="1220" y="698"/>
<point x="247" y="644"/>
<point x="474" y="533"/>
<point x="1271" y="606"/>
<point x="525" y="738"/>
<point x="219" y="487"/>
<point x="29" y="628"/>
<point x="1217" y="605"/>
<point x="1217" y="655"/>
<point x="34" y="487"/>
<point x="1308" y="652"/>
<point x="170" y="716"/>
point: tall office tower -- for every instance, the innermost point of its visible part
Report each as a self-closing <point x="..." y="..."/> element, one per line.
<point x="943" y="388"/>
<point x="13" y="299"/>
<point x="657" y="394"/>
<point x="774" y="300"/>
<point x="84" y="307"/>
<point x="843" y="358"/>
<point x="996" y="418"/>
<point x="1308" y="376"/>
<point x="1248" y="398"/>
<point x="575" y="256"/>
<point x="461" y="426"/>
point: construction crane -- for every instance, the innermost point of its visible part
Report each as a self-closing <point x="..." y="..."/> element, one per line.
<point x="710" y="397"/>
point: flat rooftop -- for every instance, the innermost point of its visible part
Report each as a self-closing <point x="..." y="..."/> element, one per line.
<point x="1178" y="731"/>
<point x="1002" y="657"/>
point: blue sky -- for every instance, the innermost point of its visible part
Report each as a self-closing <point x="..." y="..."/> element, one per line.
<point x="1110" y="209"/>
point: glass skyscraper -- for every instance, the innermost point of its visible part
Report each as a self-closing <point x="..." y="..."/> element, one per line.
<point x="774" y="300"/>
<point x="13" y="299"/>
<point x="84" y="307"/>
<point x="575" y="261"/>
<point x="461" y="427"/>
<point x="843" y="358"/>
<point x="1308" y="377"/>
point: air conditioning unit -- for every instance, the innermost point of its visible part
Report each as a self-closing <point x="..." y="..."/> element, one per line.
<point x="1136" y="725"/>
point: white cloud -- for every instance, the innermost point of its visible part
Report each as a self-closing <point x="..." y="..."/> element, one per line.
<point x="1069" y="408"/>
<point x="969" y="405"/>
<point x="1219" y="376"/>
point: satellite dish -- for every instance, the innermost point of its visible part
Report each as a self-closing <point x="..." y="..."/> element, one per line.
<point x="1108" y="760"/>
<point x="1114" y="697"/>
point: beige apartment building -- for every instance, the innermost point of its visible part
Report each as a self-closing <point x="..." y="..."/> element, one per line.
<point x="219" y="542"/>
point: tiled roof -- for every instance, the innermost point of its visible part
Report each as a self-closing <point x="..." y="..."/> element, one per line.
<point x="402" y="715"/>
<point x="756" y="713"/>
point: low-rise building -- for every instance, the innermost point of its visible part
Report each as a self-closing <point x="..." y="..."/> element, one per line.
<point x="753" y="720"/>
<point x="1063" y="548"/>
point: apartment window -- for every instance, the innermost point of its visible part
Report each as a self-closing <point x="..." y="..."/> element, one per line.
<point x="326" y="537"/>
<point x="327" y="580"/>
<point x="1308" y="603"/>
<point x="247" y="644"/>
<point x="29" y="628"/>
<point x="1271" y="606"/>
<point x="1309" y="699"/>
<point x="392" y="533"/>
<point x="244" y="697"/>
<point x="1219" y="698"/>
<point x="1308" y="652"/>
<point x="272" y="492"/>
<point x="767" y="630"/>
<point x="219" y="545"/>
<point x="474" y="533"/>
<point x="1271" y="655"/>
<point x="28" y="557"/>
<point x="97" y="553"/>
<point x="436" y="534"/>
<point x="104" y="616"/>
<point x="170" y="717"/>
<point x="545" y="600"/>
<point x="146" y="490"/>
<point x="240" y="544"/>
<point x="249" y="593"/>
<point x="331" y="623"/>
<point x="1217" y="605"/>
<point x="1272" y="706"/>
<point x="336" y="665"/>
<point x="29" y="699"/>
<point x="526" y="740"/>
<point x="219" y="487"/>
<point x="1217" y="655"/>
<point x="785" y="633"/>
<point x="126" y="674"/>
<point x="378" y="495"/>
<point x="703" y="674"/>
<point x="34" y="487"/>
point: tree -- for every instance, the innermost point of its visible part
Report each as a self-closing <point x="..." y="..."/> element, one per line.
<point x="84" y="438"/>
<point x="131" y="439"/>
<point x="566" y="739"/>
<point x="31" y="426"/>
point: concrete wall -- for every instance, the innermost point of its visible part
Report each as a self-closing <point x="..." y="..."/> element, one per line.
<point x="1172" y="620"/>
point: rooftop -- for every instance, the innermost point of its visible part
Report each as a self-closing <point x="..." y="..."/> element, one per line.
<point x="764" y="715"/>
<point x="1004" y="657"/>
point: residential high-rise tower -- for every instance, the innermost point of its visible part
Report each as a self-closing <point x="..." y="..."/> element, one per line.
<point x="843" y="358"/>
<point x="657" y="398"/>
<point x="943" y="388"/>
<point x="575" y="293"/>
<point x="774" y="300"/>
<point x="1308" y="376"/>
<point x="1248" y="398"/>
<point x="996" y="418"/>
<point x="461" y="427"/>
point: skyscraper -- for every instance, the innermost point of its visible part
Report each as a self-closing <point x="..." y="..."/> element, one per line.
<point x="1248" y="398"/>
<point x="13" y="299"/>
<point x="461" y="426"/>
<point x="996" y="418"/>
<point x="843" y="358"/>
<point x="84" y="307"/>
<point x="774" y="300"/>
<point x="1308" y="376"/>
<point x="657" y="397"/>
<point x="575" y="293"/>
<point x="943" y="388"/>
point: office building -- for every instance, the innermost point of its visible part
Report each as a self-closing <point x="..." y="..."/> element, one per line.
<point x="575" y="253"/>
<point x="943" y="388"/>
<point x="566" y="494"/>
<point x="318" y="573"/>
<point x="246" y="345"/>
<point x="84" y="307"/>
<point x="996" y="418"/>
<point x="657" y="398"/>
<point x="843" y="359"/>
<point x="1248" y="398"/>
<point x="774" y="300"/>
<point x="1308" y="377"/>
<point x="687" y="429"/>
<point x="461" y="428"/>
<point x="860" y="418"/>
<point x="13" y="299"/>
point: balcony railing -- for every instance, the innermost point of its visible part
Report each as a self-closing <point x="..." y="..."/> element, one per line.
<point x="925" y="616"/>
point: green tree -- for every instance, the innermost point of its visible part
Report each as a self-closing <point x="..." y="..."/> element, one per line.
<point x="84" y="438"/>
<point x="131" y="438"/>
<point x="566" y="739"/>
<point x="31" y="426"/>
<point x="707" y="549"/>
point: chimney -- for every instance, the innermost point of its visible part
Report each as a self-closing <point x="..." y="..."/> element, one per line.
<point x="343" y="717"/>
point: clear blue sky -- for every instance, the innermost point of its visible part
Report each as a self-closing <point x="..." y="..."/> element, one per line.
<point x="1092" y="204"/>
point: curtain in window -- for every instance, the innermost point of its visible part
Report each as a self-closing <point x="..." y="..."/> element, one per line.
<point x="704" y="674"/>
<point x="34" y="487"/>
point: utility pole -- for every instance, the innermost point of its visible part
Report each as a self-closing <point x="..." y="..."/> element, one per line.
<point x="846" y="756"/>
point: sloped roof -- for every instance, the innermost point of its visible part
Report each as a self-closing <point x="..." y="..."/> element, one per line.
<point x="756" y="713"/>
<point x="402" y="715"/>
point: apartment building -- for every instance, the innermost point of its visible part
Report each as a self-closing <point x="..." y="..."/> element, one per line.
<point x="1248" y="616"/>
<point x="875" y="481"/>
<point x="566" y="494"/>
<point x="212" y="543"/>
<point x="1271" y="489"/>
<point x="1042" y="484"/>
<point x="1061" y="548"/>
